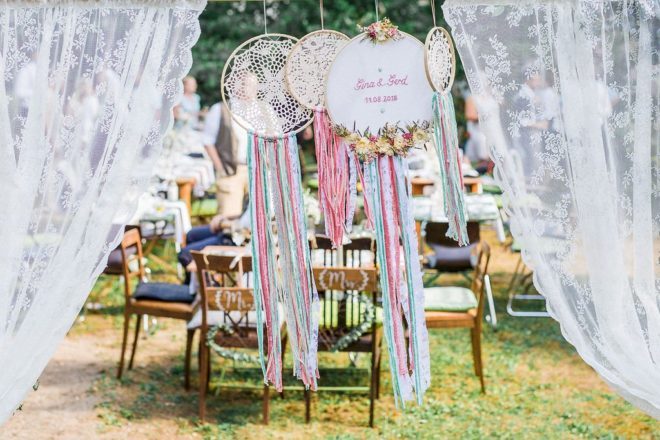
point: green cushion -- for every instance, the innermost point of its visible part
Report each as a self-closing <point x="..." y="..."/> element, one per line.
<point x="204" y="208"/>
<point x="491" y="189"/>
<point x="449" y="299"/>
<point x="313" y="183"/>
<point x="330" y="312"/>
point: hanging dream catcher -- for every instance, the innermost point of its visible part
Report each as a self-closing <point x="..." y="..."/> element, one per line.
<point x="306" y="71"/>
<point x="254" y="89"/>
<point x="379" y="101"/>
<point x="440" y="62"/>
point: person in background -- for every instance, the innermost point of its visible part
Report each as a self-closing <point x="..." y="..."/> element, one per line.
<point x="538" y="106"/>
<point x="476" y="148"/>
<point x="187" y="111"/>
<point x="217" y="233"/>
<point x="226" y="145"/>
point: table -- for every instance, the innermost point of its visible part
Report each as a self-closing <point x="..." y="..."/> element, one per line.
<point x="473" y="184"/>
<point x="419" y="183"/>
<point x="185" y="185"/>
<point x="184" y="160"/>
<point x="480" y="207"/>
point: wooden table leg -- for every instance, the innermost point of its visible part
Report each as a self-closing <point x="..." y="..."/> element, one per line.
<point x="185" y="191"/>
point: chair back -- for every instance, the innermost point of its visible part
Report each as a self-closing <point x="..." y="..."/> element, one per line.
<point x="132" y="240"/>
<point x="222" y="289"/>
<point x="345" y="294"/>
<point x="358" y="253"/>
<point x="436" y="233"/>
<point x="478" y="278"/>
<point x="448" y="255"/>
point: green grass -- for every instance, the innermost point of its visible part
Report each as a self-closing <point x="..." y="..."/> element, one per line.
<point x="537" y="387"/>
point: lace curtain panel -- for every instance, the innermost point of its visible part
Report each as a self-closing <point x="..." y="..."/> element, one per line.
<point x="568" y="95"/>
<point x="85" y="98"/>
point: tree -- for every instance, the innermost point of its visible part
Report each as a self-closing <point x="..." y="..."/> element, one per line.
<point x="225" y="25"/>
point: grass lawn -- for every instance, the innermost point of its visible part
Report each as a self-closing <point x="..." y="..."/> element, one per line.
<point x="537" y="386"/>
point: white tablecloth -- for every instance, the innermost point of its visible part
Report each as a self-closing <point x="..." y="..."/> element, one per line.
<point x="480" y="207"/>
<point x="176" y="163"/>
<point x="154" y="208"/>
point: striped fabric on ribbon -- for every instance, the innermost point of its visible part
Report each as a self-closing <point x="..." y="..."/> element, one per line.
<point x="337" y="183"/>
<point x="402" y="290"/>
<point x="445" y="138"/>
<point x="276" y="192"/>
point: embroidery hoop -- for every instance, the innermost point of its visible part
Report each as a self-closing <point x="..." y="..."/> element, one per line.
<point x="323" y="68"/>
<point x="361" y="38"/>
<point x="291" y="125"/>
<point x="434" y="51"/>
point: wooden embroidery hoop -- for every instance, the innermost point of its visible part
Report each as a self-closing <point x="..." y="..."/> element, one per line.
<point x="321" y="98"/>
<point x="227" y="71"/>
<point x="361" y="37"/>
<point x="452" y="54"/>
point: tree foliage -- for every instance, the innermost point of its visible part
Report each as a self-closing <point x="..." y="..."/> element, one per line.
<point x="226" y="24"/>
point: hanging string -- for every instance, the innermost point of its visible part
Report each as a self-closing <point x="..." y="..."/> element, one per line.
<point x="433" y="12"/>
<point x="321" y="9"/>
<point x="265" y="19"/>
<point x="376" y="4"/>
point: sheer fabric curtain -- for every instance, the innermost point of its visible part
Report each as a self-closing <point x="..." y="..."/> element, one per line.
<point x="568" y="95"/>
<point x="85" y="98"/>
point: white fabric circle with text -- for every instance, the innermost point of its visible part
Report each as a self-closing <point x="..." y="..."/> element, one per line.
<point x="370" y="85"/>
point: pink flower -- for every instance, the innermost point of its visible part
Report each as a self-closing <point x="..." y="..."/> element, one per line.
<point x="373" y="138"/>
<point x="407" y="136"/>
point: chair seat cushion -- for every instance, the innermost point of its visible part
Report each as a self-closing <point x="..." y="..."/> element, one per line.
<point x="204" y="208"/>
<point x="449" y="299"/>
<point x="452" y="259"/>
<point x="163" y="292"/>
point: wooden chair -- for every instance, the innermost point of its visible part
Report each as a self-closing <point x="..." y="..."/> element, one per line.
<point x="458" y="307"/>
<point x="162" y="300"/>
<point x="358" y="253"/>
<point x="447" y="255"/>
<point x="224" y="292"/>
<point x="341" y="290"/>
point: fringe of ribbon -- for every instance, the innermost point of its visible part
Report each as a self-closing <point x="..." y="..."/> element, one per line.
<point x="337" y="178"/>
<point x="276" y="192"/>
<point x="402" y="290"/>
<point x="445" y="138"/>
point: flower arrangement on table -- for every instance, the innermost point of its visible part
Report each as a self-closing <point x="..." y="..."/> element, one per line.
<point x="380" y="31"/>
<point x="390" y="141"/>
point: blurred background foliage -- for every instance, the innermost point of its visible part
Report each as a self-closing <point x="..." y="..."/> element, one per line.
<point x="226" y="24"/>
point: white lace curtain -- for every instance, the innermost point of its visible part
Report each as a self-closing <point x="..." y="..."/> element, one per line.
<point x="86" y="91"/>
<point x="568" y="96"/>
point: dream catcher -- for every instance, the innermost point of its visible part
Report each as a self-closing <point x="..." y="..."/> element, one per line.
<point x="254" y="89"/>
<point x="306" y="70"/>
<point x="440" y="62"/>
<point x="379" y="101"/>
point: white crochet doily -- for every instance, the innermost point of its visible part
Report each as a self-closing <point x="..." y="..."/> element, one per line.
<point x="440" y="59"/>
<point x="308" y="65"/>
<point x="254" y="88"/>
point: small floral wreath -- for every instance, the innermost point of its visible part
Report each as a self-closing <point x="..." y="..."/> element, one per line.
<point x="226" y="353"/>
<point x="356" y="332"/>
<point x="391" y="140"/>
<point x="380" y="31"/>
